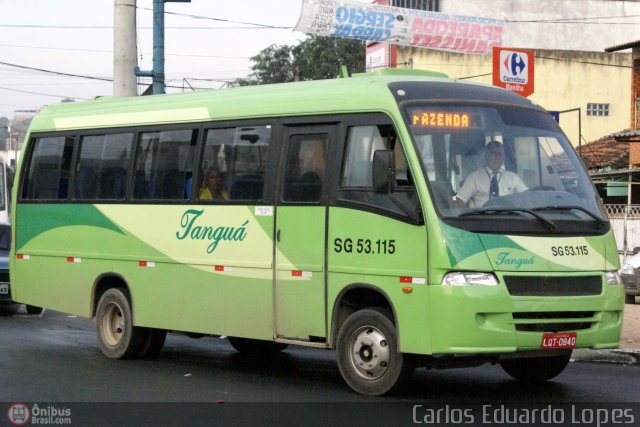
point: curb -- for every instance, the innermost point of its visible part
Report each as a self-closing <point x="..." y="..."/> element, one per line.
<point x="617" y="356"/>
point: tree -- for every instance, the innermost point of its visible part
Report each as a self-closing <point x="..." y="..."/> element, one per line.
<point x="315" y="58"/>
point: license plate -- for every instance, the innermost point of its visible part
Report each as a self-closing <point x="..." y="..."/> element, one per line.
<point x="4" y="289"/>
<point x="559" y="340"/>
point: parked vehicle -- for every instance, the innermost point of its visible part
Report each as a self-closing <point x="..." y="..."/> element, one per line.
<point x="7" y="305"/>
<point x="630" y="274"/>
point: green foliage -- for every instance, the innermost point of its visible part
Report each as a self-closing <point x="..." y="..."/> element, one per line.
<point x="315" y="58"/>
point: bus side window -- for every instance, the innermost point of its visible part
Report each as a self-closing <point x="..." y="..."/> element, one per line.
<point x="356" y="180"/>
<point x="163" y="164"/>
<point x="305" y="167"/>
<point x="238" y="155"/>
<point x="102" y="165"/>
<point x="47" y="176"/>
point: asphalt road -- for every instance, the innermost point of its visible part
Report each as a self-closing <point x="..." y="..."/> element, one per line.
<point x="56" y="358"/>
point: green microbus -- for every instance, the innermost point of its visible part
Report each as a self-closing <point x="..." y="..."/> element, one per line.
<point x="329" y="214"/>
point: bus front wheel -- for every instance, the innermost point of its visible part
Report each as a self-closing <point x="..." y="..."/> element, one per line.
<point x="536" y="369"/>
<point x="368" y="356"/>
<point x="118" y="338"/>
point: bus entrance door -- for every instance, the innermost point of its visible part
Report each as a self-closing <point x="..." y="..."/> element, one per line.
<point x="300" y="236"/>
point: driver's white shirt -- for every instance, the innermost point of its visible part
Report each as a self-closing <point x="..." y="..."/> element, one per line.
<point x="475" y="191"/>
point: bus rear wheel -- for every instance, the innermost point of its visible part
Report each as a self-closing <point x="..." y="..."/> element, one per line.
<point x="118" y="338"/>
<point x="536" y="369"/>
<point x="368" y="356"/>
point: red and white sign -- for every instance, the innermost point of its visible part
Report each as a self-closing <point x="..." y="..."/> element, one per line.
<point x="394" y="25"/>
<point x="513" y="70"/>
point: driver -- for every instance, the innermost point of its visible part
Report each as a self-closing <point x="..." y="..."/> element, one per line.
<point x="492" y="181"/>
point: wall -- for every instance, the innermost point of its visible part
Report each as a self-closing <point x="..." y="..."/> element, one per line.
<point x="566" y="36"/>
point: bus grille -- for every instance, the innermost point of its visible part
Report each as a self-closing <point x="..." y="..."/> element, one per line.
<point x="553" y="286"/>
<point x="4" y="276"/>
<point x="555" y="321"/>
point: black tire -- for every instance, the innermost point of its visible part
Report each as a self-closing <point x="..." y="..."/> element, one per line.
<point x="536" y="369"/>
<point x="368" y="356"/>
<point x="629" y="299"/>
<point x="252" y="347"/>
<point x="32" y="309"/>
<point x="118" y="338"/>
<point x="9" y="309"/>
<point x="154" y="343"/>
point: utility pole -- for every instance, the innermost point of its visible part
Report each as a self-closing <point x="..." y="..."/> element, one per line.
<point x="125" y="51"/>
<point x="157" y="74"/>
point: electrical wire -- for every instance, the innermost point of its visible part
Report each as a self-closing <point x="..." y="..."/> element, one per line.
<point x="218" y="19"/>
<point x="111" y="51"/>
<point x="43" y="94"/>
<point x="110" y="27"/>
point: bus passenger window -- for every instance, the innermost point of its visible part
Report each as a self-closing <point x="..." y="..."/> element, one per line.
<point x="101" y="172"/>
<point x="304" y="173"/>
<point x="47" y="176"/>
<point x="163" y="164"/>
<point x="235" y="160"/>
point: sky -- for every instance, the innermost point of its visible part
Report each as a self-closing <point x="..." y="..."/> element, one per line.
<point x="76" y="36"/>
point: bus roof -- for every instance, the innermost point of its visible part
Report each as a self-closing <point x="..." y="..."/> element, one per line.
<point x="361" y="92"/>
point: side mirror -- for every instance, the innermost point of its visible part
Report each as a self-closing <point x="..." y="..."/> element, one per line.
<point x="636" y="250"/>
<point x="384" y="171"/>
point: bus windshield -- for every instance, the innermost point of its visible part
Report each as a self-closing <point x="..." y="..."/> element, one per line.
<point x="501" y="162"/>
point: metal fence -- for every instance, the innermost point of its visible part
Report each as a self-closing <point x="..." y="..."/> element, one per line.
<point x="625" y="221"/>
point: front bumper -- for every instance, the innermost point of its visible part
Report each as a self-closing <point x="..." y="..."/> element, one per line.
<point x="486" y="319"/>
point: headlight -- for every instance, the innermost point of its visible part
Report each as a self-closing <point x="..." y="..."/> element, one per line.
<point x="627" y="269"/>
<point x="613" y="278"/>
<point x="467" y="278"/>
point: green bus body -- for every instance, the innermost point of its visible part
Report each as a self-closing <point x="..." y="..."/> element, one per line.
<point x="294" y="272"/>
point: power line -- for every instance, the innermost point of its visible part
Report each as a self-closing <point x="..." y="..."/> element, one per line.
<point x="39" y="93"/>
<point x="111" y="51"/>
<point x="60" y="73"/>
<point x="219" y="19"/>
<point x="110" y="27"/>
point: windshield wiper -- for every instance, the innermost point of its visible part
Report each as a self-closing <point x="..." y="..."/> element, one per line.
<point x="601" y="223"/>
<point x="548" y="224"/>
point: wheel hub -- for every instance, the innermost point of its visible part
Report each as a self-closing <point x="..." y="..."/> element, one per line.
<point x="112" y="325"/>
<point x="370" y="353"/>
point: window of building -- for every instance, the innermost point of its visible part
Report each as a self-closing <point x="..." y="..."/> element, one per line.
<point x="430" y="5"/>
<point x="597" y="109"/>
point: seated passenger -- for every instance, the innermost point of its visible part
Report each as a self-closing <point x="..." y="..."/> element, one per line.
<point x="492" y="181"/>
<point x="212" y="188"/>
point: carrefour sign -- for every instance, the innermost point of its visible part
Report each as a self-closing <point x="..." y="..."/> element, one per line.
<point x="513" y="70"/>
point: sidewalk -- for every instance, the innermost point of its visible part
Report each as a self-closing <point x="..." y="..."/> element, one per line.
<point x="629" y="351"/>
